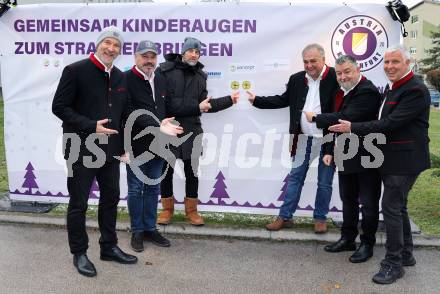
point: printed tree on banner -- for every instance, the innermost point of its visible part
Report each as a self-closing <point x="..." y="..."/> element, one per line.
<point x="220" y="188"/>
<point x="283" y="189"/>
<point x="29" y="181"/>
<point x="94" y="188"/>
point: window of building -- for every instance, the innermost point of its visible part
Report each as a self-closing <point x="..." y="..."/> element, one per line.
<point x="413" y="50"/>
<point x="414" y="18"/>
<point x="413" y="34"/>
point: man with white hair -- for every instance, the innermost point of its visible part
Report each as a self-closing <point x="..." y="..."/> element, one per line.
<point x="92" y="100"/>
<point x="404" y="120"/>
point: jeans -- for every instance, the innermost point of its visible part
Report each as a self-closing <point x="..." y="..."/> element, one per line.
<point x="297" y="176"/>
<point x="142" y="198"/>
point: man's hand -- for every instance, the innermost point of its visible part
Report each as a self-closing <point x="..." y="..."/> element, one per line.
<point x="251" y="96"/>
<point x="205" y="106"/>
<point x="100" y="129"/>
<point x="167" y="127"/>
<point x="125" y="158"/>
<point x="235" y="96"/>
<point x="309" y="115"/>
<point x="327" y="159"/>
<point x="344" y="126"/>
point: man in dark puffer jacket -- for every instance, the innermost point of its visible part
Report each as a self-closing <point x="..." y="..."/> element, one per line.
<point x="186" y="101"/>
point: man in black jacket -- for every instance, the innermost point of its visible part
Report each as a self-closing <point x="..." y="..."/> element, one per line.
<point x="404" y="120"/>
<point x="92" y="102"/>
<point x="187" y="100"/>
<point x="147" y="92"/>
<point x="357" y="100"/>
<point x="309" y="90"/>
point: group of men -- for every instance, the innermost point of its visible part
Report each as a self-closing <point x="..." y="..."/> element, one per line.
<point x="342" y="100"/>
<point x="95" y="98"/>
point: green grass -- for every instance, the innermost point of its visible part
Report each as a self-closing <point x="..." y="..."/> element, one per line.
<point x="424" y="199"/>
<point x="423" y="203"/>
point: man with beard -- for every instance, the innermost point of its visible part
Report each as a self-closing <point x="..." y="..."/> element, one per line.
<point x="92" y="102"/>
<point x="357" y="100"/>
<point x="187" y="100"/>
<point x="404" y="120"/>
<point x="147" y="92"/>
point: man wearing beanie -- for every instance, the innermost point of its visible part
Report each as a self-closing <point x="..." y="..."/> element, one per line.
<point x="92" y="101"/>
<point x="187" y="100"/>
<point x="147" y="92"/>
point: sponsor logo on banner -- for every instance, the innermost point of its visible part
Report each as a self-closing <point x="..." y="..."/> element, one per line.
<point x="276" y="64"/>
<point x="214" y="75"/>
<point x="242" y="67"/>
<point x="235" y="85"/>
<point x="245" y="85"/>
<point x="362" y="37"/>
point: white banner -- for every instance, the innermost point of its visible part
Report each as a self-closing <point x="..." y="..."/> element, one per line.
<point x="247" y="46"/>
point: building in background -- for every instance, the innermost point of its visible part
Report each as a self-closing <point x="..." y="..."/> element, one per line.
<point x="425" y="18"/>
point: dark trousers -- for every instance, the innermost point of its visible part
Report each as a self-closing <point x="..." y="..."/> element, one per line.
<point x="364" y="189"/>
<point x="191" y="179"/>
<point x="79" y="189"/>
<point x="395" y="215"/>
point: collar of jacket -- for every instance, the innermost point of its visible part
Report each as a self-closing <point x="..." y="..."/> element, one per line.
<point x="324" y="75"/>
<point x="137" y="73"/>
<point x="348" y="92"/>
<point x="96" y="62"/>
<point x="402" y="81"/>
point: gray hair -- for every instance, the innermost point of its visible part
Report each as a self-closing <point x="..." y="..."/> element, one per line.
<point x="314" y="46"/>
<point x="346" y="58"/>
<point x="402" y="49"/>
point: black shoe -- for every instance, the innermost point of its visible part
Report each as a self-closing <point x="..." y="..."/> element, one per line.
<point x="156" y="238"/>
<point x="362" y="254"/>
<point x="84" y="266"/>
<point x="116" y="254"/>
<point x="340" y="245"/>
<point x="408" y="260"/>
<point x="388" y="274"/>
<point x="137" y="242"/>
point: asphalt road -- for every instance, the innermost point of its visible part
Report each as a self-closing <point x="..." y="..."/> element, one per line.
<point x="36" y="259"/>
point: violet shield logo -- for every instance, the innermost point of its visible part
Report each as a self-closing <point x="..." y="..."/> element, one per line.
<point x="362" y="37"/>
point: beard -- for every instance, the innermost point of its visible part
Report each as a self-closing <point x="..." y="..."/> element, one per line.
<point x="347" y="85"/>
<point x="191" y="62"/>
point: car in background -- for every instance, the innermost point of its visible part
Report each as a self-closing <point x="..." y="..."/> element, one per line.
<point x="435" y="97"/>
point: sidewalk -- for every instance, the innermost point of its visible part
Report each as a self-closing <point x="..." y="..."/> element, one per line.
<point x="211" y="230"/>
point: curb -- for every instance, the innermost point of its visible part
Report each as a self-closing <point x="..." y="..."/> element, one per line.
<point x="213" y="231"/>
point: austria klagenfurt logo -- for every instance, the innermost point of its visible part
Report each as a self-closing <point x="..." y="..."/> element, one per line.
<point x="362" y="37"/>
